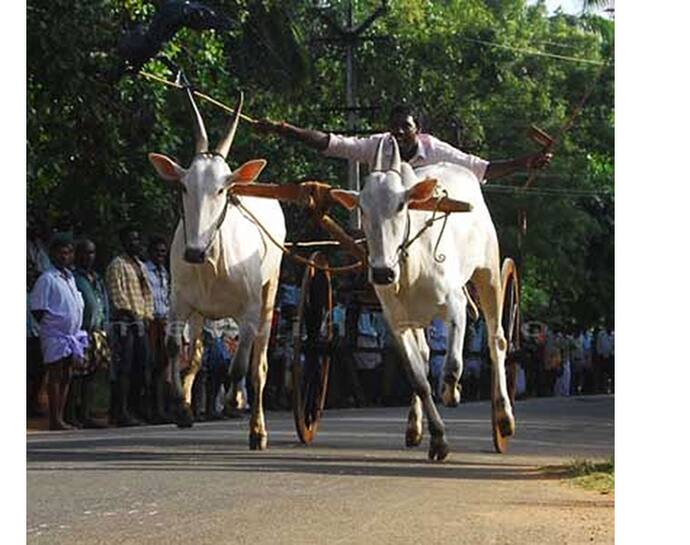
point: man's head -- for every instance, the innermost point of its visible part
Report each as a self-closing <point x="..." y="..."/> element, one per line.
<point x="85" y="254"/>
<point x="158" y="250"/>
<point x="62" y="251"/>
<point x="403" y="126"/>
<point x="129" y="238"/>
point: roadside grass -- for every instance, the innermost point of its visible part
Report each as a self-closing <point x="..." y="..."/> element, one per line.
<point x="595" y="476"/>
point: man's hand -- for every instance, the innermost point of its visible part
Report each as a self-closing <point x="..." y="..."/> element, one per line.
<point x="538" y="160"/>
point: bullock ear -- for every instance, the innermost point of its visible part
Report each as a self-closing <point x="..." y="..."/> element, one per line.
<point x="247" y="173"/>
<point x="348" y="199"/>
<point x="422" y="191"/>
<point x="167" y="168"/>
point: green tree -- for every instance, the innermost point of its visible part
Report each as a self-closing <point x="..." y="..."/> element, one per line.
<point x="481" y="72"/>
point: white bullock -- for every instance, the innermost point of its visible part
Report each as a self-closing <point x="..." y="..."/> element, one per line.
<point x="414" y="287"/>
<point x="221" y="265"/>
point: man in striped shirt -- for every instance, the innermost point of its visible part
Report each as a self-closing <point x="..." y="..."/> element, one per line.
<point x="159" y="279"/>
<point x="132" y="311"/>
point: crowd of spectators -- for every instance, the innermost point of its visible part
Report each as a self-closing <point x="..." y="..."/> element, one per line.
<point x="82" y="327"/>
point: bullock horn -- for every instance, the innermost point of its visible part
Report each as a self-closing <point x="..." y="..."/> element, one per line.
<point x="378" y="161"/>
<point x="224" y="145"/>
<point x="200" y="138"/>
<point x="395" y="158"/>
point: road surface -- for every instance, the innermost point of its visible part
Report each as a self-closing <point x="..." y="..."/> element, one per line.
<point x="355" y="484"/>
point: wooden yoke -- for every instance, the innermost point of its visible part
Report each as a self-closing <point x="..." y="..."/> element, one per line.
<point x="320" y="201"/>
<point x="316" y="197"/>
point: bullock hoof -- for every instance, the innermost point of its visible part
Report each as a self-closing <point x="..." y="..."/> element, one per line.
<point x="505" y="422"/>
<point x="450" y="395"/>
<point x="258" y="442"/>
<point x="413" y="438"/>
<point x="438" y="449"/>
<point x="506" y="426"/>
<point x="183" y="416"/>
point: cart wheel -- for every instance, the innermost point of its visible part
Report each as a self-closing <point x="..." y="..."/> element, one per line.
<point x="312" y="335"/>
<point x="510" y="319"/>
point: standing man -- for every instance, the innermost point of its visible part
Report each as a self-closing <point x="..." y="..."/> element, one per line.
<point x="132" y="310"/>
<point x="58" y="307"/>
<point x="159" y="280"/>
<point x="416" y="148"/>
<point x="603" y="368"/>
<point x="35" y="370"/>
<point x="96" y="318"/>
<point x="474" y="358"/>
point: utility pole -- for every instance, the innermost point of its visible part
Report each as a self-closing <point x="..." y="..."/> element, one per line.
<point x="351" y="36"/>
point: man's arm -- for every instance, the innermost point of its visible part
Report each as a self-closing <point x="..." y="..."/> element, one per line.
<point x="39" y="297"/>
<point x="498" y="169"/>
<point x="312" y="138"/>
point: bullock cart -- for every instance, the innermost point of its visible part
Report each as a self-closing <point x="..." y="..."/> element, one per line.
<point x="313" y="332"/>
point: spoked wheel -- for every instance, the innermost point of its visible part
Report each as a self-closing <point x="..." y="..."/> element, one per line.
<point x="510" y="319"/>
<point x="312" y="335"/>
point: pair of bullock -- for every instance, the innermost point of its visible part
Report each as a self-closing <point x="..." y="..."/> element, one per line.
<point x="223" y="265"/>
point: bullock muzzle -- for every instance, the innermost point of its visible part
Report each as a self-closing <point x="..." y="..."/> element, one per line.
<point x="193" y="255"/>
<point x="382" y="276"/>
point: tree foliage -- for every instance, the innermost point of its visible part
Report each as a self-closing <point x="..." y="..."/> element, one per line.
<point x="481" y="72"/>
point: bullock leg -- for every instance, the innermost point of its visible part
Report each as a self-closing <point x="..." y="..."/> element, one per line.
<point x="452" y="368"/>
<point x="240" y="361"/>
<point x="258" y="437"/>
<point x="196" y="348"/>
<point x="488" y="282"/>
<point x="414" y="431"/>
<point x="416" y="366"/>
<point x="179" y="313"/>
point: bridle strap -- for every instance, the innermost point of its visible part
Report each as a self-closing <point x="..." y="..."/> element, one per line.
<point x="407" y="241"/>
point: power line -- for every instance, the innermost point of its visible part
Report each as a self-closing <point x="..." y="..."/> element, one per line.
<point x="499" y="187"/>
<point x="535" y="52"/>
<point x="546" y="191"/>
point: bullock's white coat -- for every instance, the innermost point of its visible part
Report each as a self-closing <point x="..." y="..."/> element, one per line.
<point x="238" y="277"/>
<point x="468" y="242"/>
<point x="424" y="288"/>
<point x="241" y="261"/>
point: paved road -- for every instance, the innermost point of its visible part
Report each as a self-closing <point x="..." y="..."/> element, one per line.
<point x="356" y="484"/>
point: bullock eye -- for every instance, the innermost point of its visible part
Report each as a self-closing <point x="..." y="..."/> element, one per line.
<point x="401" y="206"/>
<point x="220" y="191"/>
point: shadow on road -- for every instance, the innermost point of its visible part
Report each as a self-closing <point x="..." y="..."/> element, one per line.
<point x="66" y="459"/>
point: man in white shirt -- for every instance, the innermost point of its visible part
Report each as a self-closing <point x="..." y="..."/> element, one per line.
<point x="418" y="149"/>
<point x="58" y="307"/>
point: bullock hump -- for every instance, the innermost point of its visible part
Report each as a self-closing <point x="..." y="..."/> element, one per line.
<point x="460" y="182"/>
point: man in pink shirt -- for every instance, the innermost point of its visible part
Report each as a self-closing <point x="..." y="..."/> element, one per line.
<point x="418" y="149"/>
